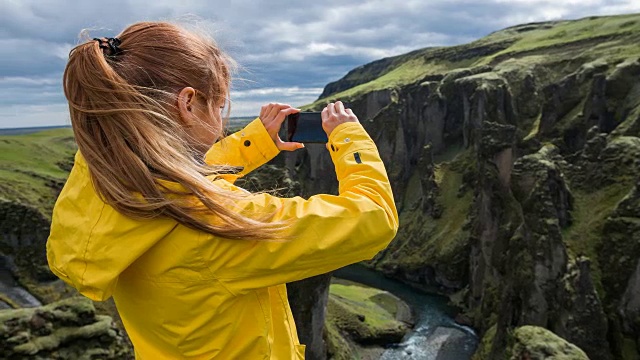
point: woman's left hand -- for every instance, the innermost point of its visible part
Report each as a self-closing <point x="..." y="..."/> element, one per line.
<point x="272" y="116"/>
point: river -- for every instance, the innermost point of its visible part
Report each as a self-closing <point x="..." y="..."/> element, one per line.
<point x="435" y="336"/>
<point x="11" y="290"/>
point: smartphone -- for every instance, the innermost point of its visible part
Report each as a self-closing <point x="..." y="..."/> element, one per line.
<point x="305" y="127"/>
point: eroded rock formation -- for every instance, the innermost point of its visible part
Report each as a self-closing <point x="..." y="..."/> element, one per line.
<point x="68" y="329"/>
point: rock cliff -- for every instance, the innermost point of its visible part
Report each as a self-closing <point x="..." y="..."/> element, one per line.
<point x="514" y="162"/>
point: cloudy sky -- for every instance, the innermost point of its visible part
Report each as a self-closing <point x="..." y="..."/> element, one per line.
<point x="288" y="50"/>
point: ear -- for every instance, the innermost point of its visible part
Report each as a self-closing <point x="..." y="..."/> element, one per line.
<point x="186" y="100"/>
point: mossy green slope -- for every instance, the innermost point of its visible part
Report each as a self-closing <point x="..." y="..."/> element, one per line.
<point x="613" y="37"/>
<point x="33" y="167"/>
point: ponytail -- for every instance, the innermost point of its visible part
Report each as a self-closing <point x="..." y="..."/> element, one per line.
<point x="122" y="109"/>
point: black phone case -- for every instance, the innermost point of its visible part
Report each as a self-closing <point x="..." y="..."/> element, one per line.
<point x="306" y="127"/>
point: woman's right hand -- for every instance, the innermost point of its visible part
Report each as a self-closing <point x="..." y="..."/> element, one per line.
<point x="272" y="116"/>
<point x="335" y="114"/>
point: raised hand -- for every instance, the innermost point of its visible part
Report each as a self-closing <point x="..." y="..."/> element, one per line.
<point x="335" y="114"/>
<point x="272" y="116"/>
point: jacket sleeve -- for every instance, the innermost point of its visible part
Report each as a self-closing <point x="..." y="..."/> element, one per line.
<point x="248" y="148"/>
<point x="325" y="232"/>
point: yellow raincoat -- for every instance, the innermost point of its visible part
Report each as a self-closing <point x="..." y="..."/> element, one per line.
<point x="183" y="293"/>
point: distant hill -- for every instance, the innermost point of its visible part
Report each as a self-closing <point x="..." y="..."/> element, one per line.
<point x="35" y="162"/>
<point x="35" y="165"/>
<point x="613" y="37"/>
<point x="29" y="130"/>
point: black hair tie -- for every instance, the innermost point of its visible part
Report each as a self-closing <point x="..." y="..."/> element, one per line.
<point x="110" y="45"/>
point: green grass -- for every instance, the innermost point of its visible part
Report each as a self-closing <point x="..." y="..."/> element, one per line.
<point x="455" y="211"/>
<point x="358" y="315"/>
<point x="591" y="209"/>
<point x="573" y="31"/>
<point x="378" y="307"/>
<point x="29" y="165"/>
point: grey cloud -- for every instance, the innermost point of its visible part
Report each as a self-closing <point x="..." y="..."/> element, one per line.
<point x="331" y="37"/>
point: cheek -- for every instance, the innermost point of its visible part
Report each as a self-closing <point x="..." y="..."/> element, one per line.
<point x="217" y="127"/>
<point x="210" y="128"/>
<point x="213" y="130"/>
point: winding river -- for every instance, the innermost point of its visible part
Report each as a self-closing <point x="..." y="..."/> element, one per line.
<point x="435" y="336"/>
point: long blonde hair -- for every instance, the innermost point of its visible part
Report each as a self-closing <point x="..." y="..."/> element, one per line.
<point x="125" y="120"/>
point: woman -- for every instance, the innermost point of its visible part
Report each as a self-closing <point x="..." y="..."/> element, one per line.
<point x="150" y="215"/>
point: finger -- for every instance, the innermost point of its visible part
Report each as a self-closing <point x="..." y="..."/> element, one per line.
<point x="289" y="146"/>
<point x="263" y="111"/>
<point x="282" y="114"/>
<point x="267" y="110"/>
<point x="332" y="109"/>
<point x="339" y="106"/>
<point x="273" y="111"/>
<point x="325" y="114"/>
<point x="350" y="113"/>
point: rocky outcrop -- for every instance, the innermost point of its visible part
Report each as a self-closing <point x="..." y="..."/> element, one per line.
<point x="532" y="342"/>
<point x="581" y="319"/>
<point x="68" y="329"/>
<point x="629" y="308"/>
<point x="536" y="343"/>
<point x="620" y="255"/>
<point x="308" y="299"/>
<point x="23" y="235"/>
<point x="362" y="320"/>
<point x="430" y="205"/>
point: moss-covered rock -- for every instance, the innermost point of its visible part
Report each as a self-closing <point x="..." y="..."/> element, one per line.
<point x="620" y="248"/>
<point x="484" y="348"/>
<point x="580" y="319"/>
<point x="367" y="316"/>
<point x="23" y="235"/>
<point x="68" y="329"/>
<point x="338" y="347"/>
<point x="361" y="321"/>
<point x="536" y="343"/>
<point x="629" y="308"/>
